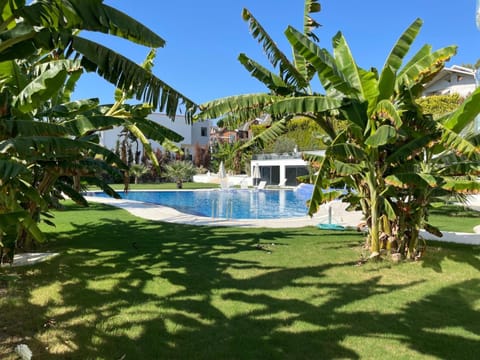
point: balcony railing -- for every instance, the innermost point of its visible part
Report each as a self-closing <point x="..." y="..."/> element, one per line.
<point x="284" y="156"/>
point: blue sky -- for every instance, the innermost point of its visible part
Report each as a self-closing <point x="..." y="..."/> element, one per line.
<point x="204" y="38"/>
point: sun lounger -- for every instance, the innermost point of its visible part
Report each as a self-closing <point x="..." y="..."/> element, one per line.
<point x="261" y="185"/>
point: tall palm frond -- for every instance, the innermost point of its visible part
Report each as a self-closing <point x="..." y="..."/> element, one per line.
<point x="269" y="135"/>
<point x="395" y="59"/>
<point x="124" y="73"/>
<point x="274" y="82"/>
<point x="288" y="71"/>
<point x="53" y="25"/>
<point x="90" y="15"/>
<point x="309" y="25"/>
<point x="245" y="107"/>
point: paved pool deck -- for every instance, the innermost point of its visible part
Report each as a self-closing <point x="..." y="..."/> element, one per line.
<point x="340" y="216"/>
<point x="163" y="213"/>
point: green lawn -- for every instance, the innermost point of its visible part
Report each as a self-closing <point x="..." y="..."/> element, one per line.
<point x="455" y="218"/>
<point x="125" y="288"/>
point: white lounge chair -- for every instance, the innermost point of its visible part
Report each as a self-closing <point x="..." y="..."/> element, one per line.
<point x="261" y="185"/>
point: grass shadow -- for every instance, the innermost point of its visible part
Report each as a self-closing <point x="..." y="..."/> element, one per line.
<point x="124" y="287"/>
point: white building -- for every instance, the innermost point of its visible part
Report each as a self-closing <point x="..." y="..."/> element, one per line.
<point x="280" y="169"/>
<point x="197" y="132"/>
<point x="455" y="79"/>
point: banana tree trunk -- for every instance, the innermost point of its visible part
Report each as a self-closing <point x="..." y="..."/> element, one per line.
<point x="76" y="183"/>
<point x="24" y="240"/>
<point x="374" y="226"/>
<point x="373" y="191"/>
<point x="415" y="231"/>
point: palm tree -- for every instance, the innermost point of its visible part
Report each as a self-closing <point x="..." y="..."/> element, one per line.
<point x="137" y="170"/>
<point x="180" y="171"/>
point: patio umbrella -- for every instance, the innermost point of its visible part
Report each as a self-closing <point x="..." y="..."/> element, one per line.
<point x="256" y="174"/>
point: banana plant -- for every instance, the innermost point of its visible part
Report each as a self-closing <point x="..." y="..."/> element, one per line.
<point x="385" y="133"/>
<point x="13" y="217"/>
<point x="66" y="133"/>
<point x="377" y="133"/>
<point x="50" y="138"/>
<point x="51" y="156"/>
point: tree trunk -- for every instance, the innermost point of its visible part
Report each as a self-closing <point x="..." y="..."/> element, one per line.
<point x="374" y="228"/>
<point x="374" y="215"/>
<point x="76" y="183"/>
<point x="126" y="181"/>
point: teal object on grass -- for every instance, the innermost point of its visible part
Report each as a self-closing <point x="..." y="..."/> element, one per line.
<point x="331" y="227"/>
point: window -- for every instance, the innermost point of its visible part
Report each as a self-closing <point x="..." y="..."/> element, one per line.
<point x="203" y="131"/>
<point x="292" y="172"/>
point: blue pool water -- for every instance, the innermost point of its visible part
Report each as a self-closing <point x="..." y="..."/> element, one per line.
<point x="231" y="204"/>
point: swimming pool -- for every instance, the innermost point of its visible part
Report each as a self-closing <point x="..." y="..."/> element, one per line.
<point x="228" y="204"/>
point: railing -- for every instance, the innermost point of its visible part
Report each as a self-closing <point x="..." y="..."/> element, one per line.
<point x="292" y="155"/>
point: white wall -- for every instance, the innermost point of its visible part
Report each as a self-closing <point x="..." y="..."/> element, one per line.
<point x="451" y="81"/>
<point x="196" y="132"/>
<point x="192" y="133"/>
<point x="463" y="87"/>
<point x="178" y="125"/>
